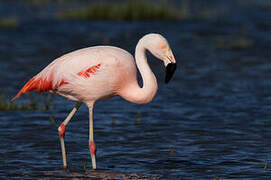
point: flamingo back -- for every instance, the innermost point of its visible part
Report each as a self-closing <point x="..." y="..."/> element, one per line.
<point x="87" y="74"/>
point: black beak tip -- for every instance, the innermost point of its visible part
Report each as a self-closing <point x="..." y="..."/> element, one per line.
<point x="170" y="69"/>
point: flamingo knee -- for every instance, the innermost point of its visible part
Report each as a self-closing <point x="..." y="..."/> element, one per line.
<point x="61" y="130"/>
<point x="92" y="147"/>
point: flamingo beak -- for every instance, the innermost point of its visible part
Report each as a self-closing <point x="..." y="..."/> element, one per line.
<point x="170" y="69"/>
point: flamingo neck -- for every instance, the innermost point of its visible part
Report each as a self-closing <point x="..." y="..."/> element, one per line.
<point x="145" y="94"/>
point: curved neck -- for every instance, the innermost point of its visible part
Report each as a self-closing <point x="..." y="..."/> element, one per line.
<point x="145" y="94"/>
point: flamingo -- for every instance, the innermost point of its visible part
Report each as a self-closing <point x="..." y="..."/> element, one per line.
<point x="96" y="73"/>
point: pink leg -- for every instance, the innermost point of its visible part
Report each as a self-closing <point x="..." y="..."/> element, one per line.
<point x="92" y="145"/>
<point x="61" y="132"/>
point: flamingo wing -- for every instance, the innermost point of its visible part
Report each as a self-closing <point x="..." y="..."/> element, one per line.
<point x="60" y="72"/>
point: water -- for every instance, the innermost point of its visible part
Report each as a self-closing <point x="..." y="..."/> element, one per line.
<point x="211" y="121"/>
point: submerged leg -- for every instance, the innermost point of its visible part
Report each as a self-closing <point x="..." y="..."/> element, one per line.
<point x="61" y="132"/>
<point x="92" y="145"/>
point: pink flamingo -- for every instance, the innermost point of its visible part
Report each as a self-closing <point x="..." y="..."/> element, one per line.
<point x="100" y="72"/>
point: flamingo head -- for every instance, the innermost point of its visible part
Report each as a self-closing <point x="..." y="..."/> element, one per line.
<point x="160" y="48"/>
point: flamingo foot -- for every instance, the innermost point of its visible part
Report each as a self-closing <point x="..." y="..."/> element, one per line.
<point x="92" y="148"/>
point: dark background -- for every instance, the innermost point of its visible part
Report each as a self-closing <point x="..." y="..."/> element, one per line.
<point x="212" y="121"/>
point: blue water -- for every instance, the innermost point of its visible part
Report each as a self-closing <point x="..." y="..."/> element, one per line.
<point x="211" y="121"/>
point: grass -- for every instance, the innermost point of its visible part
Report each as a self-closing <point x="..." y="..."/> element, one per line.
<point x="85" y="166"/>
<point x="128" y="11"/>
<point x="32" y="104"/>
<point x="265" y="165"/>
<point x="46" y="103"/>
<point x="53" y="121"/>
<point x="124" y="10"/>
<point x="139" y="10"/>
<point x="113" y="122"/>
<point x="9" y="22"/>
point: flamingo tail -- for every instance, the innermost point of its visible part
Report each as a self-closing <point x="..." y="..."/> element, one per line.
<point x="38" y="84"/>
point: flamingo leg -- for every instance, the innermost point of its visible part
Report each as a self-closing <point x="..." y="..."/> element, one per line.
<point x="61" y="132"/>
<point x="92" y="145"/>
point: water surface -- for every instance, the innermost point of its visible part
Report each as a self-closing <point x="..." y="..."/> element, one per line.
<point x="212" y="120"/>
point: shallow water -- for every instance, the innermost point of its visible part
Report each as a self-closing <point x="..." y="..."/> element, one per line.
<point x="212" y="120"/>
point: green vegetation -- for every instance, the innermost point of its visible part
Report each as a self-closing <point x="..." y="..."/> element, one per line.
<point x="265" y="165"/>
<point x="113" y="122"/>
<point x="9" y="22"/>
<point x="6" y="105"/>
<point x="53" y="121"/>
<point x="129" y="11"/>
<point x="122" y="10"/>
<point x="139" y="10"/>
<point x="85" y="166"/>
<point x="46" y="103"/>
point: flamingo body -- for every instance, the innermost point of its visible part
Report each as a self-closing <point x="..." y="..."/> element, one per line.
<point x="100" y="72"/>
<point x="86" y="75"/>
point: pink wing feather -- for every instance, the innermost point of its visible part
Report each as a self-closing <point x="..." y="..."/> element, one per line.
<point x="40" y="84"/>
<point x="49" y="79"/>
